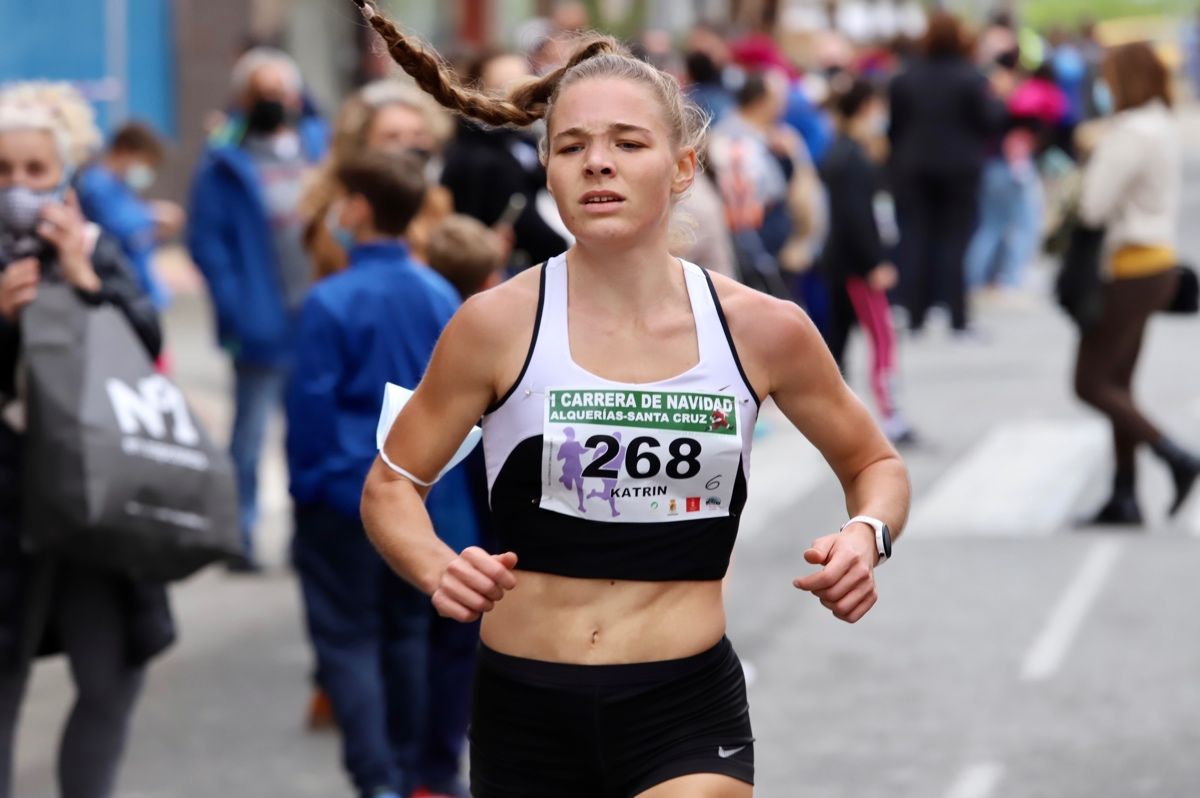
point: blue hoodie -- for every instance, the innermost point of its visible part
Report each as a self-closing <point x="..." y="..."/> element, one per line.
<point x="374" y="323"/>
<point x="106" y="200"/>
<point x="230" y="239"/>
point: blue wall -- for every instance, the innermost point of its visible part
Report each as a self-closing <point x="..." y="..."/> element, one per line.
<point x="65" y="40"/>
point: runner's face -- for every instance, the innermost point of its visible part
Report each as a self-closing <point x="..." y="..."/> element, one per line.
<point x="612" y="167"/>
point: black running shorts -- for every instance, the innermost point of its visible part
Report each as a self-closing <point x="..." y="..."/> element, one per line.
<point x="551" y="730"/>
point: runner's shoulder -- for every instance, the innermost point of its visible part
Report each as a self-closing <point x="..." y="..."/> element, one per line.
<point x="500" y="317"/>
<point x="764" y="328"/>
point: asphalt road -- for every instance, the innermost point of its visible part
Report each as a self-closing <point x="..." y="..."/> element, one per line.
<point x="1010" y="655"/>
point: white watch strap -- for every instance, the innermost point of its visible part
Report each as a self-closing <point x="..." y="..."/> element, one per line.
<point x="878" y="526"/>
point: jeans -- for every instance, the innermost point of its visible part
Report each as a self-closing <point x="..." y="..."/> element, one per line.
<point x="398" y="678"/>
<point x="258" y="391"/>
<point x="1010" y="223"/>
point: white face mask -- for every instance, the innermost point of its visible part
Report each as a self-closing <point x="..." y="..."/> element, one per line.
<point x="140" y="177"/>
<point x="879" y="125"/>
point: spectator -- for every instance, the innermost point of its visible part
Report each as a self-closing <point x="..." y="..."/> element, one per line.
<point x="488" y="168"/>
<point x="246" y="237"/>
<point x="1012" y="201"/>
<point x="375" y="322"/>
<point x="705" y="239"/>
<point x="388" y="116"/>
<point x="111" y="193"/>
<point x="941" y="117"/>
<point x="109" y="626"/>
<point x="855" y="255"/>
<point x="467" y="253"/>
<point x="1133" y="189"/>
<point x="705" y="85"/>
<point x="757" y="160"/>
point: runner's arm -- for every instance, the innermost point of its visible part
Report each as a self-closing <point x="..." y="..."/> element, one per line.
<point x="805" y="383"/>
<point x="456" y="389"/>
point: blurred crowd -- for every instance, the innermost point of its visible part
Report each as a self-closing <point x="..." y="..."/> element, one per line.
<point x="874" y="183"/>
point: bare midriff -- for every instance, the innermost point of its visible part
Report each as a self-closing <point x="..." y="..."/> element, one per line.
<point x="604" y="621"/>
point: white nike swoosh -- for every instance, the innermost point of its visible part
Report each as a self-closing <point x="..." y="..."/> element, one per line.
<point x="725" y="753"/>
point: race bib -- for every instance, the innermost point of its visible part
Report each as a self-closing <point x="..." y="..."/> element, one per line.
<point x="639" y="456"/>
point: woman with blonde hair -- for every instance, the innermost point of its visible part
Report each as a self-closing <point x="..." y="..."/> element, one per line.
<point x="1133" y="190"/>
<point x="109" y="625"/>
<point x="616" y="368"/>
<point x="386" y="115"/>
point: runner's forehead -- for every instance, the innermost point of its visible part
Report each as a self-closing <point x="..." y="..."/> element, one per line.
<point x="624" y="101"/>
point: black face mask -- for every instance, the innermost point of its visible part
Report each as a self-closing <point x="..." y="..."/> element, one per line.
<point x="266" y="116"/>
<point x="421" y="154"/>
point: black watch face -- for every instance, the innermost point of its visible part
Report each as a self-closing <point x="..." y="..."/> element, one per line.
<point x="887" y="541"/>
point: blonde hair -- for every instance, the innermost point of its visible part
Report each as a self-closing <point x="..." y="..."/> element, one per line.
<point x="58" y="109"/>
<point x="358" y="113"/>
<point x="595" y="56"/>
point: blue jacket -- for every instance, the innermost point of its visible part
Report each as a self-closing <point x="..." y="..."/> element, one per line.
<point x="119" y="211"/>
<point x="374" y="323"/>
<point x="230" y="239"/>
<point x="812" y="123"/>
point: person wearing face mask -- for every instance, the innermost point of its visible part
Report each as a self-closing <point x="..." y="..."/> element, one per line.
<point x="855" y="257"/>
<point x="246" y="236"/>
<point x="373" y="634"/>
<point x="112" y="194"/>
<point x="110" y="626"/>
<point x="384" y="116"/>
<point x="388" y="116"/>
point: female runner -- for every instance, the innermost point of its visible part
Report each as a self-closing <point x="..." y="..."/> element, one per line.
<point x="604" y="668"/>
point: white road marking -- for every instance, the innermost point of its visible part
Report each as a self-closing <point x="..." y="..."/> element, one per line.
<point x="977" y="781"/>
<point x="1022" y="478"/>
<point x="1191" y="517"/>
<point x="1051" y="646"/>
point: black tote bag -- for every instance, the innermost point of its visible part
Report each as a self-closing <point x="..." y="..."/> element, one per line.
<point x="117" y="472"/>
<point x="1080" y="286"/>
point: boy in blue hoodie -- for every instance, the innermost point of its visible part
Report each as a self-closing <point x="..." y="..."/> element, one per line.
<point x="375" y="322"/>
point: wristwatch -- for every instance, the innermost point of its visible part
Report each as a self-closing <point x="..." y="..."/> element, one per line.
<point x="883" y="535"/>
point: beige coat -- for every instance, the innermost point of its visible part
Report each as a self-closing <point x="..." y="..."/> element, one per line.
<point x="1133" y="183"/>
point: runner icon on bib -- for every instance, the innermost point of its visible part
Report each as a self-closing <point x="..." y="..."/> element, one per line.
<point x="639" y="456"/>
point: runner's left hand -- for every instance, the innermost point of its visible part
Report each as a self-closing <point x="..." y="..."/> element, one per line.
<point x="846" y="583"/>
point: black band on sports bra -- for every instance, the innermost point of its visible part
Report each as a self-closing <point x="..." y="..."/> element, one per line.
<point x="729" y="337"/>
<point x="537" y="326"/>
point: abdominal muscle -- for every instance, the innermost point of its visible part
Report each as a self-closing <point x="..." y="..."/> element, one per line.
<point x="604" y="621"/>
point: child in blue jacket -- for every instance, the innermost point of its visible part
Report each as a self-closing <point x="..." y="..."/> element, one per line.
<point x="375" y="322"/>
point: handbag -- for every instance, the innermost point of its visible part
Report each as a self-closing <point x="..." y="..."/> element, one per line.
<point x="1079" y="287"/>
<point x="117" y="471"/>
<point x="1187" y="294"/>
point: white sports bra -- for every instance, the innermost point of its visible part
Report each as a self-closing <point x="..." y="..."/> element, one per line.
<point x="594" y="478"/>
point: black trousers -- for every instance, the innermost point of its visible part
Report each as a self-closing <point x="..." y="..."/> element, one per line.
<point x="89" y="618"/>
<point x="1108" y="356"/>
<point x="937" y="215"/>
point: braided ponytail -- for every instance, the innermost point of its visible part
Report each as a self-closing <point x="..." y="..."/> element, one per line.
<point x="525" y="105"/>
<point x="596" y="56"/>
